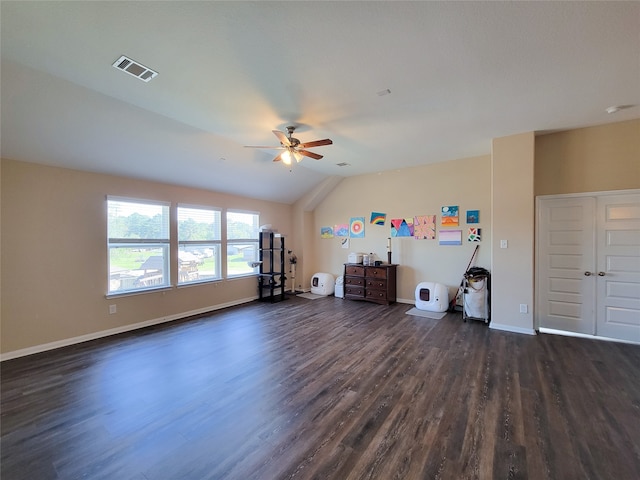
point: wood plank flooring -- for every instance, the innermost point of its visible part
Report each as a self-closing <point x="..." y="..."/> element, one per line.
<point x="323" y="389"/>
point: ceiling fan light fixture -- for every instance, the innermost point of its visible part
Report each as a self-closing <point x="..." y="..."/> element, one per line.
<point x="286" y="157"/>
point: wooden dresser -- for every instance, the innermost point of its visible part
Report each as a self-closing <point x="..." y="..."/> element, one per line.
<point x="369" y="283"/>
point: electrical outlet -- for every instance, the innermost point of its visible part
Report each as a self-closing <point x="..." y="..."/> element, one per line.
<point x="524" y="308"/>
<point x="112" y="309"/>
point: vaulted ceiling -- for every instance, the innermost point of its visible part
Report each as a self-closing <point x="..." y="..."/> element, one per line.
<point x="394" y="84"/>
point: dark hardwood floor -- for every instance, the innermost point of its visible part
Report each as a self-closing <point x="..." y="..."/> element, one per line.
<point x="323" y="389"/>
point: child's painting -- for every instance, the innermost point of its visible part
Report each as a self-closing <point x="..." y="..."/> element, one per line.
<point x="344" y="242"/>
<point x="341" y="230"/>
<point x="402" y="227"/>
<point x="473" y="216"/>
<point x="474" y="234"/>
<point x="356" y="227"/>
<point x="378" y="218"/>
<point x="450" y="216"/>
<point x="424" y="227"/>
<point x="450" y="237"/>
<point x="326" y="232"/>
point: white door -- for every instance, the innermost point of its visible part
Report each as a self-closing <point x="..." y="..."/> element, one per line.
<point x="618" y="267"/>
<point x="566" y="260"/>
<point x="588" y="265"/>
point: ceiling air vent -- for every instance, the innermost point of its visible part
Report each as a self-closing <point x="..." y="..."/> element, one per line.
<point x="343" y="164"/>
<point x="134" y="68"/>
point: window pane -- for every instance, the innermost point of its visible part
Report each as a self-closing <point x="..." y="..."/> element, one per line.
<point x="198" y="244"/>
<point x="242" y="243"/>
<point x="239" y="257"/>
<point x="138" y="241"/>
<point x="242" y="226"/>
<point x="198" y="224"/>
<point x="137" y="267"/>
<point x="198" y="263"/>
<point x="137" y="220"/>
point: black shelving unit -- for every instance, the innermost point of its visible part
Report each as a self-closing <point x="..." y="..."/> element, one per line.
<point x="271" y="279"/>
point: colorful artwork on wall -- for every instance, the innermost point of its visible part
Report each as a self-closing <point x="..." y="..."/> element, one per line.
<point x="356" y="227"/>
<point x="450" y="237"/>
<point x="474" y="234"/>
<point x="341" y="230"/>
<point x="378" y="218"/>
<point x="424" y="227"/>
<point x="450" y="216"/>
<point x="326" y="232"/>
<point x="473" y="216"/>
<point x="402" y="227"/>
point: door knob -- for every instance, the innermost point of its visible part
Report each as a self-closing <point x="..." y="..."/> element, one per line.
<point x="587" y="274"/>
<point x="601" y="274"/>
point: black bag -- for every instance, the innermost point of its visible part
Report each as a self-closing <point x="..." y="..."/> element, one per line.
<point x="476" y="272"/>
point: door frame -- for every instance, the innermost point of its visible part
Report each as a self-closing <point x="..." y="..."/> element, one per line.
<point x="538" y="219"/>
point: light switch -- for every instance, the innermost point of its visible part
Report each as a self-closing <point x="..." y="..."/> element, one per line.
<point x="504" y="244"/>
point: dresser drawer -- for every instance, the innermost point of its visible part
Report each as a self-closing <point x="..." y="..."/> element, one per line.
<point x="376" y="295"/>
<point x="354" y="281"/>
<point x="375" y="284"/>
<point x="376" y="272"/>
<point x="354" y="291"/>
<point x="357" y="270"/>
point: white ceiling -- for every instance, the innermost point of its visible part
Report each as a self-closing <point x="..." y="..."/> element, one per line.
<point x="460" y="74"/>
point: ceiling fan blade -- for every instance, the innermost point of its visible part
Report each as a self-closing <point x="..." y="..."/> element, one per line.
<point x="313" y="155"/>
<point x="282" y="137"/>
<point x="278" y="158"/>
<point x="316" y="143"/>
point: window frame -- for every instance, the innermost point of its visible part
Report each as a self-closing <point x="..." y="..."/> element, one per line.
<point x="242" y="241"/>
<point x="216" y="243"/>
<point x="114" y="243"/>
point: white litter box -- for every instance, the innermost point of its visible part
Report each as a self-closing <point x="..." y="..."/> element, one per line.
<point x="432" y="297"/>
<point x="322" y="284"/>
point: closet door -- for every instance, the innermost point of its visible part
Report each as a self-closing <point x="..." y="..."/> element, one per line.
<point x="618" y="267"/>
<point x="566" y="262"/>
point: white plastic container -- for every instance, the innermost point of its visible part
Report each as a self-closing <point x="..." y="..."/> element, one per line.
<point x="339" y="290"/>
<point x="322" y="284"/>
<point x="432" y="297"/>
<point x="354" y="257"/>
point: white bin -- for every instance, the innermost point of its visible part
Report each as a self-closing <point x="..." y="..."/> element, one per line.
<point x="340" y="287"/>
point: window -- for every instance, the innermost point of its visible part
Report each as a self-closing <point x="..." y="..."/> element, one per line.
<point x="242" y="243"/>
<point x="138" y="244"/>
<point x="198" y="244"/>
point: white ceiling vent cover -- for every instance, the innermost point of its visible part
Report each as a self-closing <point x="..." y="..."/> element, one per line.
<point x="134" y="68"/>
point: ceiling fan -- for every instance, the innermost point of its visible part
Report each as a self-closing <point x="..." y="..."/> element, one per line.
<point x="292" y="147"/>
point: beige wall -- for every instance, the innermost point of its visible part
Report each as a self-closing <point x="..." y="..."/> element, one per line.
<point x="513" y="221"/>
<point x="601" y="158"/>
<point x="54" y="255"/>
<point x="406" y="193"/>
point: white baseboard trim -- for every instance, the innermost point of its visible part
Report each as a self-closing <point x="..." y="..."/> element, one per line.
<point x="122" y="329"/>
<point x="552" y="331"/>
<point x="512" y="329"/>
<point x="411" y="301"/>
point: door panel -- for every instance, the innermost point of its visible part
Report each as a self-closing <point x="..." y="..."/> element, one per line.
<point x="566" y="249"/>
<point x="618" y="283"/>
